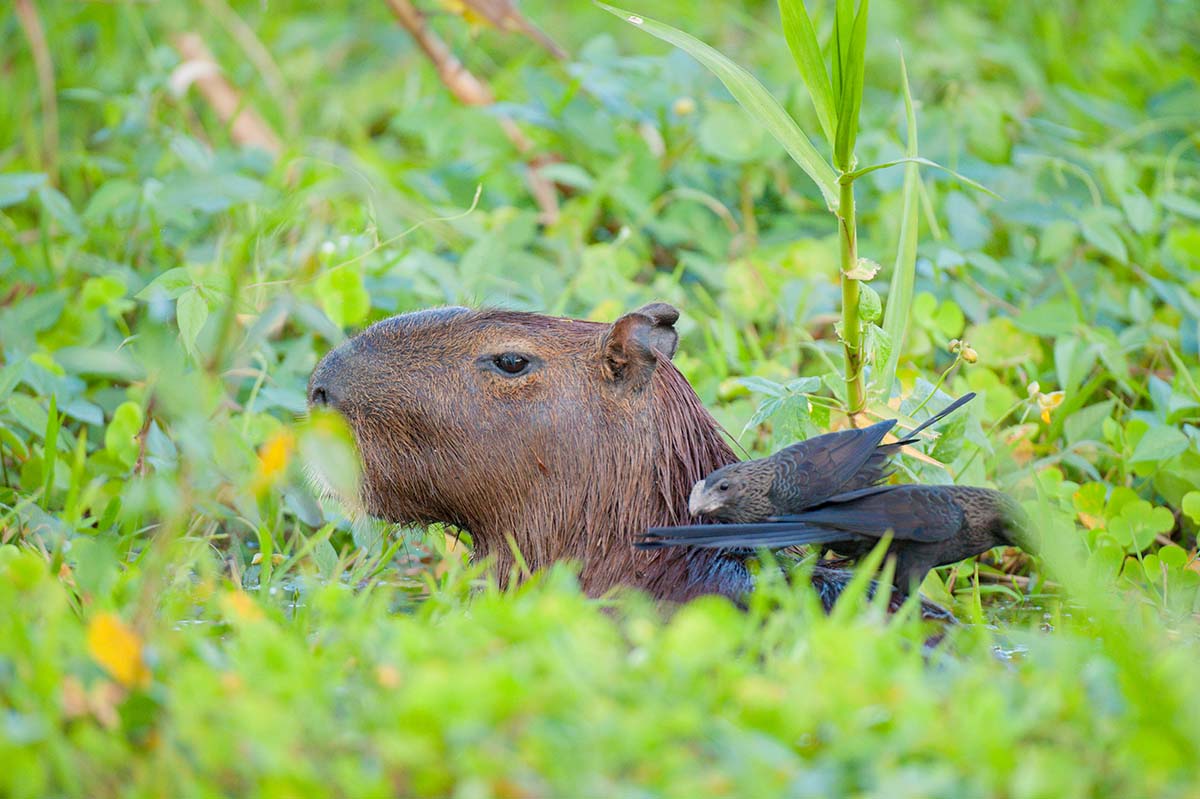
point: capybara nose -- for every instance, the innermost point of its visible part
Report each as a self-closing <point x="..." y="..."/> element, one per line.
<point x="318" y="396"/>
<point x="321" y="393"/>
<point x="325" y="387"/>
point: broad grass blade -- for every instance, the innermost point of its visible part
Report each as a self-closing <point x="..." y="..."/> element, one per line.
<point x="850" y="99"/>
<point x="843" y="26"/>
<point x="802" y="41"/>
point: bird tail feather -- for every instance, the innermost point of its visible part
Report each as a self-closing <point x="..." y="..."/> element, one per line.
<point x="772" y="535"/>
<point x="937" y="417"/>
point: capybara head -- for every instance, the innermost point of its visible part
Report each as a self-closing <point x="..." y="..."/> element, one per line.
<point x="563" y="437"/>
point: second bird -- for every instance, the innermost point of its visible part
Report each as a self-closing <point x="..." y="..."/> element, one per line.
<point x="931" y="526"/>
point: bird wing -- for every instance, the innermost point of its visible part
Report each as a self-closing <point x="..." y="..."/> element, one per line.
<point x="874" y="471"/>
<point x="876" y="468"/>
<point x="810" y="471"/>
<point x="923" y="514"/>
<point x="813" y="470"/>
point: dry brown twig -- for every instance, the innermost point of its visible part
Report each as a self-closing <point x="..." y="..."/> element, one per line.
<point x="470" y="90"/>
<point x="199" y="67"/>
<point x="260" y="57"/>
<point x="504" y="16"/>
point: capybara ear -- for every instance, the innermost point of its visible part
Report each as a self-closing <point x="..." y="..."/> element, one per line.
<point x="628" y="348"/>
<point x="662" y="334"/>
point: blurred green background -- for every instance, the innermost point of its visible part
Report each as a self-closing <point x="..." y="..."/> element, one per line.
<point x="181" y="615"/>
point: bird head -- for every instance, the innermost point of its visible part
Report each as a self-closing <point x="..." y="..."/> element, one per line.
<point x="720" y="494"/>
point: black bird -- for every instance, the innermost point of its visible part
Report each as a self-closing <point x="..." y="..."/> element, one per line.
<point x="931" y="526"/>
<point x="803" y="474"/>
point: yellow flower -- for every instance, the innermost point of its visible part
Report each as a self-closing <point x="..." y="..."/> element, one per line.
<point x="239" y="605"/>
<point x="1048" y="402"/>
<point x="273" y="458"/>
<point x="116" y="647"/>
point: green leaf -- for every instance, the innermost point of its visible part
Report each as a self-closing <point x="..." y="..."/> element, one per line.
<point x="949" y="319"/>
<point x="110" y="200"/>
<point x="326" y="558"/>
<point x="1138" y="210"/>
<point x="1138" y="523"/>
<point x="1104" y="237"/>
<point x="15" y="187"/>
<point x="1181" y="204"/>
<point x="571" y="175"/>
<point x="95" y="563"/>
<point x="10" y="375"/>
<point x="751" y="95"/>
<point x="120" y="437"/>
<point x="1158" y="444"/>
<point x="804" y="385"/>
<point x="170" y="284"/>
<point x="1191" y="505"/>
<point x="1056" y="240"/>
<point x="904" y="273"/>
<point x="802" y="41"/>
<point x="191" y="312"/>
<point x="343" y="297"/>
<point x="762" y="385"/>
<point x="870" y="307"/>
<point x="852" y="89"/>
<point x="843" y="27"/>
<point x="1173" y="556"/>
<point x="762" y="413"/>
<point x="367" y="534"/>
<point x="1085" y="423"/>
<point x="28" y="413"/>
<point x="58" y="208"/>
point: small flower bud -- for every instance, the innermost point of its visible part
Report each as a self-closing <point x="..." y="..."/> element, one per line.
<point x="684" y="106"/>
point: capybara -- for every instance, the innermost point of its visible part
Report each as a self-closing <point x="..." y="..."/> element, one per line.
<point x="564" y="438"/>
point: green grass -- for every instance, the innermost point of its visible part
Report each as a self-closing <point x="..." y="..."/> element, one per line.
<point x="179" y="616"/>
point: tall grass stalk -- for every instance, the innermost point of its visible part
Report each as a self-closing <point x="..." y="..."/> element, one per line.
<point x="851" y="324"/>
<point x="837" y="103"/>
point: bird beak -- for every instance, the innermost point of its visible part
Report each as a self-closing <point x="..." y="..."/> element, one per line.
<point x="699" y="502"/>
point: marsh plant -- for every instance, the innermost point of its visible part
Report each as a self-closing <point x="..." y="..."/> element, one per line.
<point x="869" y="334"/>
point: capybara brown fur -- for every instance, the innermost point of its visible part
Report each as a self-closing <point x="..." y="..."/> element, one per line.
<point x="561" y="437"/>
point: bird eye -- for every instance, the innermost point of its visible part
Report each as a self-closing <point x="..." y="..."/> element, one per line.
<point x="511" y="363"/>
<point x="724" y="486"/>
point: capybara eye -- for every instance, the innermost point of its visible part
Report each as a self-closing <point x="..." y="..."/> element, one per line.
<point x="511" y="363"/>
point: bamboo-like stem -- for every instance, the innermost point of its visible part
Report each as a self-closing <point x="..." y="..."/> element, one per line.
<point x="851" y="325"/>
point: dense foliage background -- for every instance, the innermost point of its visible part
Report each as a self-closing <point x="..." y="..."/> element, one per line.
<point x="179" y="615"/>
